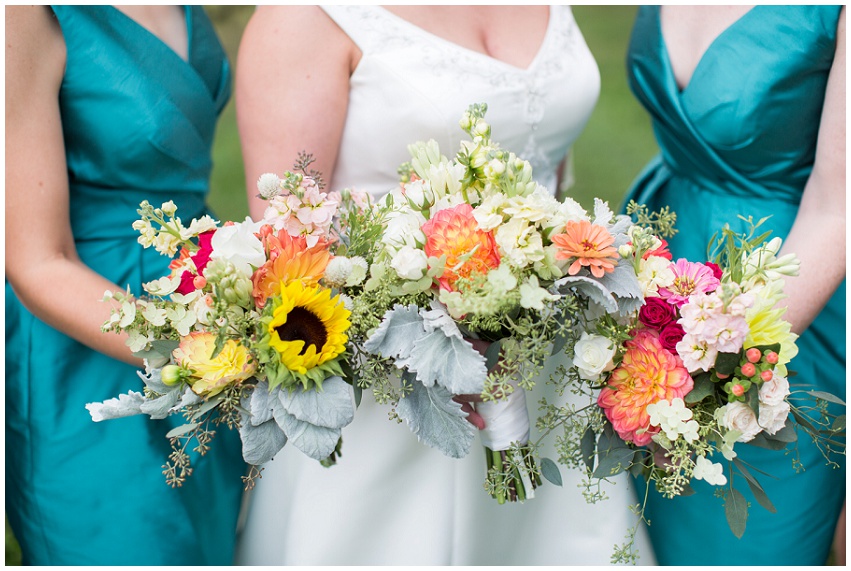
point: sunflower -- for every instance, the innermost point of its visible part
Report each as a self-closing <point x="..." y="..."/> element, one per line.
<point x="305" y="333"/>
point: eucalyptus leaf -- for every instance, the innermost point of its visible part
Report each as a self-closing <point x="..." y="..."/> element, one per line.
<point x="318" y="442"/>
<point x="613" y="461"/>
<point x="752" y="399"/>
<point x="587" y="445"/>
<point x="262" y="403"/>
<point x="332" y="407"/>
<point x="120" y="407"/>
<point x="703" y="387"/>
<point x="762" y="440"/>
<point x="827" y="396"/>
<point x="261" y="443"/>
<point x="436" y="419"/>
<point x="207" y="406"/>
<point x="785" y="434"/>
<point x="448" y="361"/>
<point x="804" y="421"/>
<point x="492" y="354"/>
<point x="181" y="430"/>
<point x="550" y="471"/>
<point x="398" y="333"/>
<point x="687" y="490"/>
<point x="161" y="406"/>
<point x="736" y="510"/>
<point x="756" y="489"/>
<point x="838" y="424"/>
<point x="358" y="394"/>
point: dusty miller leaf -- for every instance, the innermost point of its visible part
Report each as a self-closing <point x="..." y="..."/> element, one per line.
<point x="591" y="289"/>
<point x="318" y="442"/>
<point x="332" y="407"/>
<point x="160" y="407"/>
<point x="260" y="443"/>
<point x="437" y="420"/>
<point x="398" y="333"/>
<point x="448" y="361"/>
<point x="261" y="404"/>
<point x="124" y="405"/>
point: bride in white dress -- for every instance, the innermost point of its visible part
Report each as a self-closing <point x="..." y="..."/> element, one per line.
<point x="354" y="85"/>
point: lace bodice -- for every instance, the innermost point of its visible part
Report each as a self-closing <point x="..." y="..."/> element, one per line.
<point x="411" y="85"/>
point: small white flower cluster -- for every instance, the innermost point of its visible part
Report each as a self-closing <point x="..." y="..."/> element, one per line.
<point x="674" y="419"/>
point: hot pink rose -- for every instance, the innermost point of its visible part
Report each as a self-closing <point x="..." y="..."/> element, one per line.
<point x="656" y="313"/>
<point x="670" y="335"/>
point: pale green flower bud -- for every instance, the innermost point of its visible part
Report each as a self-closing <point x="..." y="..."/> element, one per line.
<point x="171" y="375"/>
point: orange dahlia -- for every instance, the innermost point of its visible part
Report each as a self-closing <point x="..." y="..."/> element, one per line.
<point x="288" y="259"/>
<point x="649" y="373"/>
<point x="469" y="250"/>
<point x="590" y="244"/>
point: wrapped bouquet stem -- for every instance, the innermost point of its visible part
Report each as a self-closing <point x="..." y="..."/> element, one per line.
<point x="511" y="473"/>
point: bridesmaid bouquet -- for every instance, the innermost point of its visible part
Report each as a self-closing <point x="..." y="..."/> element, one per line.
<point x="249" y="330"/>
<point x="704" y="367"/>
<point x="475" y="251"/>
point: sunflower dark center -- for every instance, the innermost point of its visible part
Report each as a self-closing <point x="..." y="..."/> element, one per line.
<point x="302" y="325"/>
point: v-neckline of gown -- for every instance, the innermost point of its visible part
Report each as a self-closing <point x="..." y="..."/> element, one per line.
<point x="481" y="55"/>
<point x="187" y="17"/>
<point x="707" y="52"/>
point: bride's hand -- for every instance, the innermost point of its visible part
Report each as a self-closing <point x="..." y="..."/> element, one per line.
<point x="468" y="401"/>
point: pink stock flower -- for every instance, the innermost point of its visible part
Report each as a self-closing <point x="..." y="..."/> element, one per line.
<point x="454" y="232"/>
<point x="689" y="278"/>
<point x="648" y="373"/>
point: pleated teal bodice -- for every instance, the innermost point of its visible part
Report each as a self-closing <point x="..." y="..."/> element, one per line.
<point x="740" y="139"/>
<point x="138" y="124"/>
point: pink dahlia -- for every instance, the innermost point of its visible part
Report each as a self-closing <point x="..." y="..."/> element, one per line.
<point x="689" y="278"/>
<point x="648" y="373"/>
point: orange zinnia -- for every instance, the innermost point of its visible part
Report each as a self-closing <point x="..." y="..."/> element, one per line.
<point x="289" y="259"/>
<point x="590" y="244"/>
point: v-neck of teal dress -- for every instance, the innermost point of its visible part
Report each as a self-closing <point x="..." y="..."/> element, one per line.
<point x="138" y="124"/>
<point x="740" y="139"/>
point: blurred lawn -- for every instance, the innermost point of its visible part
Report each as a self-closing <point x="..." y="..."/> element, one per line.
<point x="608" y="155"/>
<point x="611" y="151"/>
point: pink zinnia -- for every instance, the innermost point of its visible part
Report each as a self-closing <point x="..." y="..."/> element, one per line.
<point x="648" y="373"/>
<point x="689" y="278"/>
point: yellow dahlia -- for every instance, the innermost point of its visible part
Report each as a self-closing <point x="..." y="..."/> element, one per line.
<point x="210" y="376"/>
<point x="307" y="328"/>
<point x="289" y="258"/>
<point x="766" y="325"/>
<point x="648" y="373"/>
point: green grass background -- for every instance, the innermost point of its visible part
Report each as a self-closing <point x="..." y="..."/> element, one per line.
<point x="611" y="151"/>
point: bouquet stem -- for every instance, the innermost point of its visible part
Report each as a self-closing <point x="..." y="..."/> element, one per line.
<point x="512" y="474"/>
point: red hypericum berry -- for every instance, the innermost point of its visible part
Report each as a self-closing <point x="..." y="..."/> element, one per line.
<point x="753" y="354"/>
<point x="766" y="375"/>
<point x="199" y="282"/>
<point x="772" y="357"/>
<point x="738" y="390"/>
<point x="722" y="375"/>
<point x="748" y="369"/>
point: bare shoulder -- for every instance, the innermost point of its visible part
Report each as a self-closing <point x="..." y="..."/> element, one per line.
<point x="35" y="50"/>
<point x="306" y="32"/>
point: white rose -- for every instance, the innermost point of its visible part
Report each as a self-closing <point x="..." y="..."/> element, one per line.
<point x="593" y="355"/>
<point x="238" y="245"/>
<point x="773" y="417"/>
<point x="774" y="391"/>
<point x="403" y="229"/>
<point x="419" y="194"/>
<point x="739" y="416"/>
<point x="410" y="263"/>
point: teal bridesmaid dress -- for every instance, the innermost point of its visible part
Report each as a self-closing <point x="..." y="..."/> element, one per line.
<point x="740" y="139"/>
<point x="138" y="124"/>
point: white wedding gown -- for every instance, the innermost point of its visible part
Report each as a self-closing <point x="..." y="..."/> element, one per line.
<point x="391" y="500"/>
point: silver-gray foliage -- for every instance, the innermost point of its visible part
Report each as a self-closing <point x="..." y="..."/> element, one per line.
<point x="437" y="420"/>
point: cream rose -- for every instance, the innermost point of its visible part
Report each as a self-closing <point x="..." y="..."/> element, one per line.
<point x="410" y="263"/>
<point x="739" y="416"/>
<point x="773" y="417"/>
<point x="593" y="356"/>
<point x="774" y="391"/>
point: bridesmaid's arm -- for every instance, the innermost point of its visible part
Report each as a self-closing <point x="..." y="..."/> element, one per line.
<point x="292" y="92"/>
<point x="41" y="260"/>
<point x="818" y="234"/>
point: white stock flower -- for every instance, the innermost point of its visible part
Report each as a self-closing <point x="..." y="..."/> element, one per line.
<point x="169" y="208"/>
<point x="532" y="295"/>
<point x="697" y="354"/>
<point x="198" y="226"/>
<point x="593" y="355"/>
<point x="739" y="416"/>
<point x="709" y="471"/>
<point x="488" y="214"/>
<point x="238" y="245"/>
<point x="410" y="263"/>
<point x="519" y="243"/>
<point x="419" y="194"/>
<point x="166" y="243"/>
<point x="774" y="391"/>
<point x="773" y="417"/>
<point x="653" y="273"/>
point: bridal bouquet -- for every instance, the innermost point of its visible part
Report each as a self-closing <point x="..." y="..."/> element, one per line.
<point x="249" y="329"/>
<point x="704" y="368"/>
<point x="475" y="252"/>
